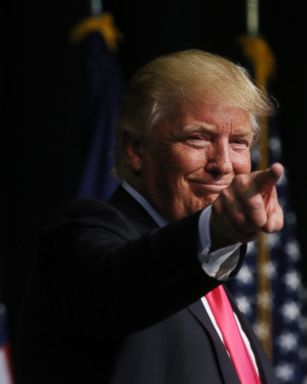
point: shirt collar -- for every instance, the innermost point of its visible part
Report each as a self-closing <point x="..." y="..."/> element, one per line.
<point x="145" y="204"/>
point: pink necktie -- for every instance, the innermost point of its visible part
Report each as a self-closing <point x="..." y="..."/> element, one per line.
<point x="223" y="313"/>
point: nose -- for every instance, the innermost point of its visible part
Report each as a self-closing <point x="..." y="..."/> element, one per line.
<point x="219" y="160"/>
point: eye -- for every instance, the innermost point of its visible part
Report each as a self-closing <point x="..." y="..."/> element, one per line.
<point x="196" y="140"/>
<point x="240" y="143"/>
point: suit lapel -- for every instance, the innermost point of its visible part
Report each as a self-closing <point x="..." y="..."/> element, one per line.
<point x="227" y="370"/>
<point x="226" y="367"/>
<point x="134" y="213"/>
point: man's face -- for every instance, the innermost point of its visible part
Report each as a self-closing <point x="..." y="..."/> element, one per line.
<point x="192" y="156"/>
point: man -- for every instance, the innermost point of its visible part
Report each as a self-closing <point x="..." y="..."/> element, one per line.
<point x="124" y="291"/>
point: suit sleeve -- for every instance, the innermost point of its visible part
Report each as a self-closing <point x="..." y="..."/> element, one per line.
<point x="108" y="281"/>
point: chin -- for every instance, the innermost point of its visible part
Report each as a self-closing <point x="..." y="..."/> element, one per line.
<point x="211" y="199"/>
<point x="204" y="202"/>
<point x="188" y="207"/>
<point x="200" y="204"/>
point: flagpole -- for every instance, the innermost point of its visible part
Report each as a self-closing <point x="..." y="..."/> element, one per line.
<point x="262" y="60"/>
<point x="252" y="17"/>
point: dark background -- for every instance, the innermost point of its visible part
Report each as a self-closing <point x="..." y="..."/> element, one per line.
<point x="43" y="87"/>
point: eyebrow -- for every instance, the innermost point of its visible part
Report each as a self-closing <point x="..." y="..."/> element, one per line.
<point x="210" y="128"/>
<point x="197" y="127"/>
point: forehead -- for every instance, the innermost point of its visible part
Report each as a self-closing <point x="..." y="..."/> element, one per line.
<point x="214" y="117"/>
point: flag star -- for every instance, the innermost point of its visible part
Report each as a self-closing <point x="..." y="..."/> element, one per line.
<point x="251" y="247"/>
<point x="262" y="330"/>
<point x="287" y="341"/>
<point x="292" y="250"/>
<point x="290" y="311"/>
<point x="285" y="372"/>
<point x="256" y="155"/>
<point x="245" y="276"/>
<point x="292" y="280"/>
<point x="290" y="218"/>
<point x="282" y="180"/>
<point x="275" y="146"/>
<point x="274" y="240"/>
<point x="264" y="300"/>
<point x="269" y="269"/>
<point x="244" y="305"/>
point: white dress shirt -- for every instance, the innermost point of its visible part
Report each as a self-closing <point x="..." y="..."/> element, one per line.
<point x="213" y="263"/>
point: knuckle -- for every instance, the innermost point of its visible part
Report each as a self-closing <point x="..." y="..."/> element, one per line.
<point x="240" y="182"/>
<point x="255" y="203"/>
<point x="239" y="219"/>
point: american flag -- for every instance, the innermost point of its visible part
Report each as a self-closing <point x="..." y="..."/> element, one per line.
<point x="5" y="363"/>
<point x="285" y="301"/>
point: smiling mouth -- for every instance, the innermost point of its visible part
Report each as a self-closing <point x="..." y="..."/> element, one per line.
<point x="212" y="188"/>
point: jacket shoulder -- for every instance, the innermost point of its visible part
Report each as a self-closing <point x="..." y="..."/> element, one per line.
<point x="89" y="214"/>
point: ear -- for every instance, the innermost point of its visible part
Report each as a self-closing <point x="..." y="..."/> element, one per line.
<point x="133" y="148"/>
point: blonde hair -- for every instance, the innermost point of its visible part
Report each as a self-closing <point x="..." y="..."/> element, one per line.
<point x="166" y="82"/>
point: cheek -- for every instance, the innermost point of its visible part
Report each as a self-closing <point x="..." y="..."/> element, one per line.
<point x="242" y="163"/>
<point x="187" y="160"/>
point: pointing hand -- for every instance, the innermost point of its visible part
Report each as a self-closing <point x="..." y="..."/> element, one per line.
<point x="248" y="206"/>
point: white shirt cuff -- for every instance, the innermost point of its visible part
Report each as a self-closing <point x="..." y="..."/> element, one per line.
<point x="220" y="263"/>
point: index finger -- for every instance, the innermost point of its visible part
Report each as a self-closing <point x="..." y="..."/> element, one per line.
<point x="265" y="180"/>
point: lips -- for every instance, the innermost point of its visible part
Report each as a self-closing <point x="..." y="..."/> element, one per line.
<point x="209" y="188"/>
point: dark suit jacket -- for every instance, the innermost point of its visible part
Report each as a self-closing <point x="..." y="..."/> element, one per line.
<point x="114" y="299"/>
